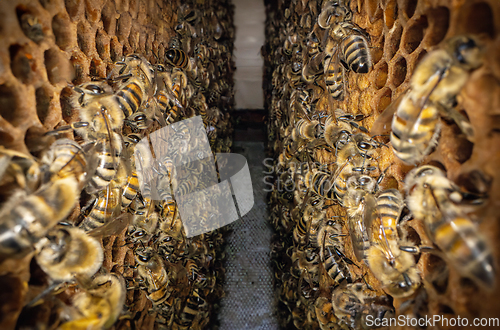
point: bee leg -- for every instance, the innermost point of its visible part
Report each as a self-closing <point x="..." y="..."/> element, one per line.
<point x="79" y="124"/>
<point x="42" y="294"/>
<point x="417" y="249"/>
<point x="367" y="285"/>
<point x="380" y="178"/>
<point x="462" y="122"/>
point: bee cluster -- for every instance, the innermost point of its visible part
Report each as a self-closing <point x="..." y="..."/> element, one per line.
<point x="92" y="236"/>
<point x="357" y="92"/>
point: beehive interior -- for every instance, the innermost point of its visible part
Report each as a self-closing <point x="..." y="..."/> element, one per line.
<point x="401" y="33"/>
<point x="48" y="48"/>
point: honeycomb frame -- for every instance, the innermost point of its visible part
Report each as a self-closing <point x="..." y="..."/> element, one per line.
<point x="48" y="47"/>
<point x="401" y="32"/>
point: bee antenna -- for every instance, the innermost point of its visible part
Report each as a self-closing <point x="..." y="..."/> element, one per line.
<point x="126" y="244"/>
<point x="43" y="293"/>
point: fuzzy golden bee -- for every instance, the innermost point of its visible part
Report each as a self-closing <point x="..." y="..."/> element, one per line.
<point x="434" y="86"/>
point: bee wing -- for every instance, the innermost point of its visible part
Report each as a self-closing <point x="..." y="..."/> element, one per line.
<point x="357" y="226"/>
<point x="153" y="110"/>
<point x="4" y="162"/>
<point x="462" y="122"/>
<point x="113" y="227"/>
<point x="420" y="100"/>
<point x="168" y="89"/>
<point x="377" y="235"/>
<point x="382" y="124"/>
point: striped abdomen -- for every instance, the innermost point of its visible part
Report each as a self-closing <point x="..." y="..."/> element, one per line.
<point x="27" y="218"/>
<point x="107" y="165"/>
<point x="67" y="158"/>
<point x="158" y="288"/>
<point x="194" y="305"/>
<point x="356" y="53"/>
<point x="414" y="131"/>
<point x="300" y="228"/>
<point x="131" y="96"/>
<point x="308" y="130"/>
<point x="167" y="107"/>
<point x="104" y="207"/>
<point x="177" y="58"/>
<point x="340" y="183"/>
<point x="465" y="247"/>
<point x="335" y="265"/>
<point x="70" y="252"/>
<point x="130" y="189"/>
<point x="389" y="206"/>
<point x="320" y="183"/>
<point x="334" y="79"/>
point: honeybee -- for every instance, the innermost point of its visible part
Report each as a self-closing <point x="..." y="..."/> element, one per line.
<point x="100" y="114"/>
<point x="336" y="133"/>
<point x="177" y="58"/>
<point x="130" y="189"/>
<point x="357" y="157"/>
<point x="432" y="198"/>
<point x="31" y="27"/>
<point x="334" y="77"/>
<point x="168" y="94"/>
<point x="101" y="119"/>
<point x="90" y="91"/>
<point x="321" y="183"/>
<point x="109" y="163"/>
<point x="171" y="238"/>
<point x="27" y="217"/>
<point x="331" y="251"/>
<point x="307" y="130"/>
<point x="333" y="12"/>
<point x="106" y="206"/>
<point x="354" y="302"/>
<point x="137" y="68"/>
<point x="24" y="169"/>
<point x="305" y="216"/>
<point x="153" y="274"/>
<point x="313" y="69"/>
<point x="67" y="253"/>
<point x="436" y="82"/>
<point x="354" y="48"/>
<point x="324" y="313"/>
<point x="195" y="312"/>
<point x="142" y="227"/>
<point x="307" y="263"/>
<point x="132" y="96"/>
<point x="391" y="266"/>
<point x="346" y="48"/>
<point x="99" y="305"/>
<point x="187" y="14"/>
<point x="360" y="206"/>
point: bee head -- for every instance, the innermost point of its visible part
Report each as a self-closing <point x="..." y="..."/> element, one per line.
<point x="467" y="52"/>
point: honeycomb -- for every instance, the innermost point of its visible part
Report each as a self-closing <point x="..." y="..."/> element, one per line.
<point x="48" y="47"/>
<point x="400" y="33"/>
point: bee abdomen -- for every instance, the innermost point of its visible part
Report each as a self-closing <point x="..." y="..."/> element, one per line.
<point x="467" y="249"/>
<point x="130" y="98"/>
<point x="130" y="190"/>
<point x="356" y="53"/>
